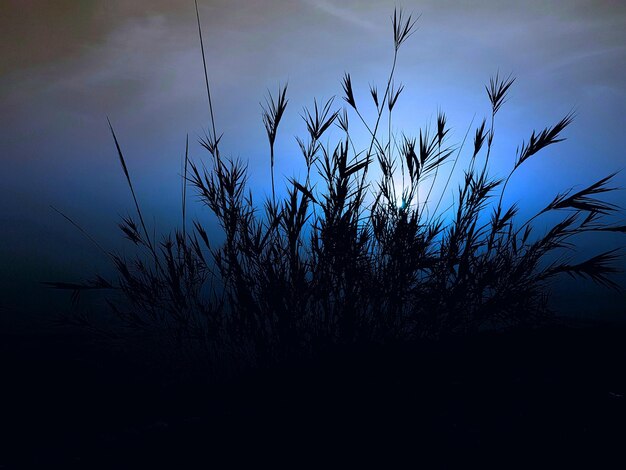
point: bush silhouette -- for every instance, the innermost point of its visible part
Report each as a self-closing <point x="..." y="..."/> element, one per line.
<point x="352" y="255"/>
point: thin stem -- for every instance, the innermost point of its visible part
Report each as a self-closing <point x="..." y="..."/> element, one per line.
<point x="272" y="171"/>
<point x="490" y="141"/>
<point x="380" y="112"/>
<point x="443" y="192"/>
<point x="184" y="208"/>
<point x="206" y="80"/>
<point x="432" y="185"/>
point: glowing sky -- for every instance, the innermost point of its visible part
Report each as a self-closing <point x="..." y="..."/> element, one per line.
<point x="66" y="65"/>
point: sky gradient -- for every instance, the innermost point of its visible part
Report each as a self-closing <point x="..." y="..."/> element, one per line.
<point x="67" y="65"/>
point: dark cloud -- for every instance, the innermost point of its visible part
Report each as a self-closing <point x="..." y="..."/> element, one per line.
<point x="36" y="32"/>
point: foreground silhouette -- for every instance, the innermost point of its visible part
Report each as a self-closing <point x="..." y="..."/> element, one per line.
<point x="366" y="249"/>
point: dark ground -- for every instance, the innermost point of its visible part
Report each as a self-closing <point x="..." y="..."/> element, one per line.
<point x="547" y="398"/>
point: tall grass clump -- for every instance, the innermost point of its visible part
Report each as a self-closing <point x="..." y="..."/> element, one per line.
<point x="350" y="255"/>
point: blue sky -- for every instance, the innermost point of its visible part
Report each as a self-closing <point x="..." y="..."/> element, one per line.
<point x="65" y="66"/>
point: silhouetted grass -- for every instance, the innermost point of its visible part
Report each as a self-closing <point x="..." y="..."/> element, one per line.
<point x="349" y="255"/>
